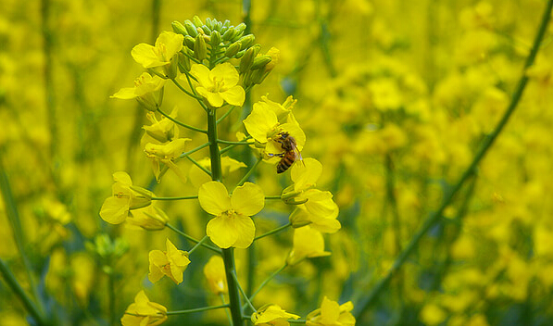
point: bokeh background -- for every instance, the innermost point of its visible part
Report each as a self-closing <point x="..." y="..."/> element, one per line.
<point x="395" y="98"/>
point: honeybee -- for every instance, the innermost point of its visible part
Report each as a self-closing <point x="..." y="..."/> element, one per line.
<point x="291" y="154"/>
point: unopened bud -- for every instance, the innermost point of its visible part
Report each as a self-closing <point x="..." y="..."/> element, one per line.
<point x="218" y="26"/>
<point x="206" y="29"/>
<point x="184" y="63"/>
<point x="191" y="29"/>
<point x="215" y="39"/>
<point x="210" y="23"/>
<point x="229" y="34"/>
<point x="226" y="23"/>
<point x="260" y="62"/>
<point x="247" y="41"/>
<point x="248" y="58"/>
<point x="189" y="42"/>
<point x="197" y="21"/>
<point x="179" y="28"/>
<point x="232" y="50"/>
<point x="200" y="49"/>
<point x="240" y="29"/>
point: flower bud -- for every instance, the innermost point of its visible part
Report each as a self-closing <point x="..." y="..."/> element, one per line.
<point x="171" y="69"/>
<point x="218" y="25"/>
<point x="226" y="24"/>
<point x="215" y="39"/>
<point x="206" y="29"/>
<point x="240" y="28"/>
<point x="200" y="49"/>
<point x="179" y="28"/>
<point x="210" y="24"/>
<point x="197" y="21"/>
<point x="191" y="29"/>
<point x="229" y="34"/>
<point x="247" y="41"/>
<point x="240" y="54"/>
<point x="184" y="63"/>
<point x="189" y="42"/>
<point x="299" y="219"/>
<point x="232" y="50"/>
<point x="248" y="58"/>
<point x="260" y="62"/>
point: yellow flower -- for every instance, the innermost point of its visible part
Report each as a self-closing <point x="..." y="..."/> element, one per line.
<point x="272" y="315"/>
<point x="331" y="314"/>
<point x="269" y="119"/>
<point x="149" y="218"/>
<point x="163" y="54"/>
<point x="161" y="131"/>
<point x="148" y="91"/>
<point x="144" y="313"/>
<point x="125" y="197"/>
<point x="219" y="85"/>
<point x="319" y="211"/>
<point x="170" y="263"/>
<point x="307" y="243"/>
<point x="166" y="153"/>
<point x="214" y="271"/>
<point x="232" y="225"/>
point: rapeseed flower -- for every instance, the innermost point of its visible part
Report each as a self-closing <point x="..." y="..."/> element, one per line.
<point x="272" y="315"/>
<point x="232" y="225"/>
<point x="163" y="54"/>
<point x="125" y="197"/>
<point x="218" y="85"/>
<point x="166" y="153"/>
<point x="144" y="313"/>
<point x="307" y="243"/>
<point x="148" y="218"/>
<point x="214" y="271"/>
<point x="148" y="91"/>
<point x="170" y="263"/>
<point x="332" y="314"/>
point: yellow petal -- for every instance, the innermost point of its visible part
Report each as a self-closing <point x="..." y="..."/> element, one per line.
<point x="248" y="199"/>
<point x="214" y="198"/>
<point x="260" y="122"/>
<point x="222" y="231"/>
<point x="145" y="55"/>
<point x="172" y="43"/>
<point x="305" y="175"/>
<point x="245" y="231"/>
<point x="234" y="96"/>
<point x="115" y="210"/>
<point x="227" y="72"/>
<point x="157" y="260"/>
<point x="123" y="178"/>
<point x="125" y="93"/>
<point x="202" y="75"/>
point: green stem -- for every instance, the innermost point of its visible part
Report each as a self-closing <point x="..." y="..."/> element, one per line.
<point x="18" y="290"/>
<point x="184" y="90"/>
<point x="244" y="294"/>
<point x="170" y="198"/>
<point x="198" y="244"/>
<point x="192" y="239"/>
<point x="222" y="297"/>
<point x="111" y="299"/>
<point x="276" y="230"/>
<point x="247" y="175"/>
<point x="225" y="115"/>
<point x="199" y="165"/>
<point x="228" y="256"/>
<point x="267" y="280"/>
<point x="182" y="312"/>
<point x="487" y="143"/>
<point x="233" y="142"/>
<point x="198" y="98"/>
<point x="181" y="123"/>
<point x="273" y="197"/>
<point x="200" y="147"/>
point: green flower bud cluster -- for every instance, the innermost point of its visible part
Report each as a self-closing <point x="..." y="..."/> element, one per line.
<point x="107" y="250"/>
<point x="213" y="40"/>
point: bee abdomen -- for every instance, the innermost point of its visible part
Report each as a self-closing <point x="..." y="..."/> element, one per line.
<point x="285" y="163"/>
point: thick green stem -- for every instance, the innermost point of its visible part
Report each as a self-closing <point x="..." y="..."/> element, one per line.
<point x="228" y="256"/>
<point x="487" y="143"/>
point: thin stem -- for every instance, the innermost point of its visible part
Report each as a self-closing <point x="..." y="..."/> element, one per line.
<point x="233" y="142"/>
<point x="199" y="165"/>
<point x="267" y="280"/>
<point x="227" y="148"/>
<point x="273" y="197"/>
<point x="276" y="230"/>
<point x="170" y="198"/>
<point x="222" y="297"/>
<point x="244" y="294"/>
<point x="184" y="90"/>
<point x="181" y="123"/>
<point x="111" y="299"/>
<point x="200" y="147"/>
<point x="192" y="239"/>
<point x="18" y="290"/>
<point x="485" y="146"/>
<point x="198" y="244"/>
<point x="182" y="312"/>
<point x="225" y="115"/>
<point x="198" y="98"/>
<point x="252" y="169"/>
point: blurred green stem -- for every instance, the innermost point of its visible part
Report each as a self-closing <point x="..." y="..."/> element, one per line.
<point x="192" y="239"/>
<point x="18" y="290"/>
<point x="271" y="232"/>
<point x="366" y="302"/>
<point x="181" y="312"/>
<point x="267" y="280"/>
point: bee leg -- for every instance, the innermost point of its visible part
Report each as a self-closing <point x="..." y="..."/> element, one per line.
<point x="280" y="155"/>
